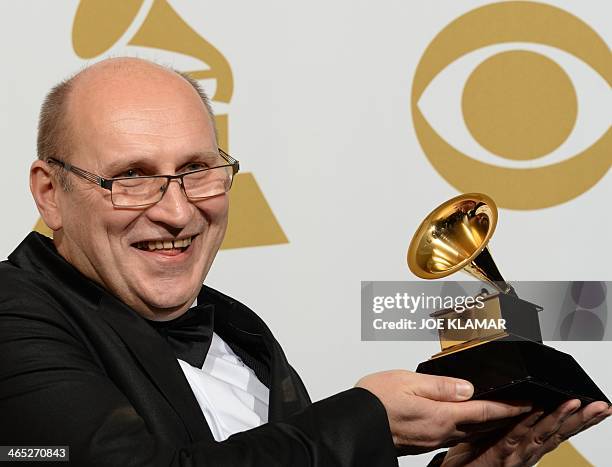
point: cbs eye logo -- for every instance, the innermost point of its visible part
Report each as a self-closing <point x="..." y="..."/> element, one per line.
<point x="531" y="124"/>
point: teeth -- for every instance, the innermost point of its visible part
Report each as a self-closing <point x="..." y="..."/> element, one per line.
<point x="182" y="243"/>
<point x="164" y="245"/>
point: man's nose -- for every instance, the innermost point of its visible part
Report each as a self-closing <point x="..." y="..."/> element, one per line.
<point x="174" y="208"/>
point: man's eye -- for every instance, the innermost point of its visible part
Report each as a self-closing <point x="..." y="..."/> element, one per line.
<point x="195" y="166"/>
<point x="129" y="173"/>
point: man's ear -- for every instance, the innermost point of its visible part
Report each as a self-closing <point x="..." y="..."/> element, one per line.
<point x="46" y="190"/>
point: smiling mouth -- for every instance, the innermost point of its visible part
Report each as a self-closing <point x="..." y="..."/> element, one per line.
<point x="165" y="245"/>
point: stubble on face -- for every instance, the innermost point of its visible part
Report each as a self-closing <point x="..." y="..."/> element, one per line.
<point x="127" y="114"/>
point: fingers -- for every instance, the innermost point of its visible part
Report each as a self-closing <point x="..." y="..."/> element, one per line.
<point x="513" y="439"/>
<point x="522" y="428"/>
<point x="441" y="388"/>
<point x="551" y="424"/>
<point x="555" y="428"/>
<point x="598" y="417"/>
<point x="485" y="411"/>
<point x="591" y="415"/>
<point x="532" y="437"/>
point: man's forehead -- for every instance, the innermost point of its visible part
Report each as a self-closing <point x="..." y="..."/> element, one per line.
<point x="117" y="98"/>
<point x="129" y="85"/>
<point x="128" y="102"/>
<point x="147" y="142"/>
<point x="137" y="120"/>
<point x="157" y="98"/>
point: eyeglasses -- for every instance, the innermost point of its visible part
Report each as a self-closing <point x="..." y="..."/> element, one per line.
<point x="141" y="191"/>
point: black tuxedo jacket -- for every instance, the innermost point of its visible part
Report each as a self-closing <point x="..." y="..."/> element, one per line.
<point x="80" y="368"/>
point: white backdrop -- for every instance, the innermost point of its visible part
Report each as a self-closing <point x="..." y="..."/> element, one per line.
<point x="321" y="115"/>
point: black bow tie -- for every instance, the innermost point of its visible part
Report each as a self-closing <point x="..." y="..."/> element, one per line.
<point x="190" y="334"/>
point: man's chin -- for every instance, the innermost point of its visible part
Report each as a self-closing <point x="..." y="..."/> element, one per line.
<point x="164" y="308"/>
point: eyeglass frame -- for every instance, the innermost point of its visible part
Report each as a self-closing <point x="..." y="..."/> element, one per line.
<point x="107" y="183"/>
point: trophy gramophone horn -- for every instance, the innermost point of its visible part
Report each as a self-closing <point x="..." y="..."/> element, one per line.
<point x="99" y="24"/>
<point x="454" y="236"/>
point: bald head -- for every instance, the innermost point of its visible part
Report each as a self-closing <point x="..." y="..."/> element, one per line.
<point x="109" y="82"/>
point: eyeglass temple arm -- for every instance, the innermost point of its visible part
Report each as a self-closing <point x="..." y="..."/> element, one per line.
<point x="233" y="162"/>
<point x="89" y="176"/>
<point x="84" y="174"/>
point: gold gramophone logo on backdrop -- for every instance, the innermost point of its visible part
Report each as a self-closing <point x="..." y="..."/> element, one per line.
<point x="99" y="24"/>
<point x="543" y="92"/>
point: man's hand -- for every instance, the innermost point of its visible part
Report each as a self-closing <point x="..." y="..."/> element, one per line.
<point x="429" y="412"/>
<point x="531" y="438"/>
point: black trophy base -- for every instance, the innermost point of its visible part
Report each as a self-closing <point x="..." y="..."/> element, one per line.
<point x="520" y="370"/>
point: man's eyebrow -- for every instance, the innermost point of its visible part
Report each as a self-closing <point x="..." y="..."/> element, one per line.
<point x="122" y="164"/>
<point x="145" y="162"/>
<point x="203" y="154"/>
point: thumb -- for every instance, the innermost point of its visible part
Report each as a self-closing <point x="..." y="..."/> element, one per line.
<point x="442" y="388"/>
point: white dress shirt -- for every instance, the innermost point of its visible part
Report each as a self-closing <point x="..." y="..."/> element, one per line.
<point x="229" y="393"/>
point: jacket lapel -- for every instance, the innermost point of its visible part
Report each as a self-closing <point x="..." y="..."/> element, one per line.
<point x="288" y="395"/>
<point x="238" y="324"/>
<point x="157" y="358"/>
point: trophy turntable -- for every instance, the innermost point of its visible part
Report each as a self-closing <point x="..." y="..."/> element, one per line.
<point x="506" y="364"/>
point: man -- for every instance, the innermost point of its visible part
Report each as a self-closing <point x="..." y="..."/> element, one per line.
<point x="134" y="187"/>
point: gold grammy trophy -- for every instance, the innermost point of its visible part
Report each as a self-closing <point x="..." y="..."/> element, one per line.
<point x="510" y="363"/>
